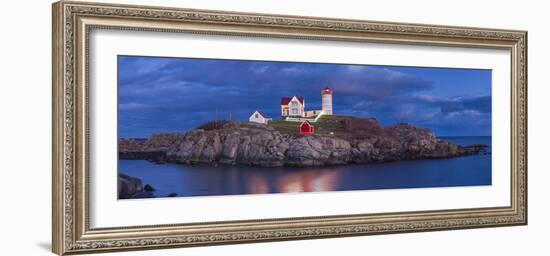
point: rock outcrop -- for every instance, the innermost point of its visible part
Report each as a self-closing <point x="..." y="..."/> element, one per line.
<point x="131" y="187"/>
<point x="262" y="145"/>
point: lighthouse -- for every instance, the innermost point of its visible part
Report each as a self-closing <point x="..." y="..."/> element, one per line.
<point x="326" y="100"/>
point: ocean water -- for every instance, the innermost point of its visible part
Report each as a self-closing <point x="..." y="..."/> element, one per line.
<point x="187" y="180"/>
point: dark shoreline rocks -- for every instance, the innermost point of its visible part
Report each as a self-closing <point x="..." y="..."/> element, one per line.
<point x="148" y="188"/>
<point x="132" y="188"/>
<point x="254" y="144"/>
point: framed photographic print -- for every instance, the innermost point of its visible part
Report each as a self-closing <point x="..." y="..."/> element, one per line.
<point x="179" y="127"/>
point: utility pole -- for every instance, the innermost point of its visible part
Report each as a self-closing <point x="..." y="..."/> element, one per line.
<point x="216" y="119"/>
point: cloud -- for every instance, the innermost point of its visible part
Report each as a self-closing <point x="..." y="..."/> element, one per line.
<point x="372" y="82"/>
<point x="451" y="105"/>
<point x="170" y="94"/>
<point x="443" y="114"/>
<point x="377" y="83"/>
<point x="480" y="104"/>
<point x="131" y="106"/>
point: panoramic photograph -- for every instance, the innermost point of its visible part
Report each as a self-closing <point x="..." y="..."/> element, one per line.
<point x="215" y="127"/>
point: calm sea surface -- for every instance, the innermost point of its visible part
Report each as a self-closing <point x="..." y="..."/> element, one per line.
<point x="186" y="180"/>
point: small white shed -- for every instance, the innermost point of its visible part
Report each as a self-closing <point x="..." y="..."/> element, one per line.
<point x="258" y="117"/>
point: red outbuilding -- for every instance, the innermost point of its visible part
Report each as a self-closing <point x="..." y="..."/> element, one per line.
<point x="306" y="128"/>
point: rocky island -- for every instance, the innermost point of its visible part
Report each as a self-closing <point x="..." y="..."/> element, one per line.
<point x="337" y="140"/>
<point x="288" y="131"/>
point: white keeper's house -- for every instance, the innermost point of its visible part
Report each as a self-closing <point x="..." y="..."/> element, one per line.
<point x="258" y="117"/>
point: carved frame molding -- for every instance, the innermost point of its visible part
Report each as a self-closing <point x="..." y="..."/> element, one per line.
<point x="72" y="22"/>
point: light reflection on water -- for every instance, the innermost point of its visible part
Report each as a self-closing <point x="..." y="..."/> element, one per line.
<point x="186" y="180"/>
<point x="307" y="180"/>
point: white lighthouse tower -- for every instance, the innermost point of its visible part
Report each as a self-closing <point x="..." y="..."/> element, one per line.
<point x="326" y="99"/>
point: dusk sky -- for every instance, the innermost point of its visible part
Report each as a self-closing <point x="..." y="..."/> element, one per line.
<point x="178" y="94"/>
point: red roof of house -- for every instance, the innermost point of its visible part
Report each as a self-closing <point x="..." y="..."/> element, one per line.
<point x="286" y="100"/>
<point x="306" y="122"/>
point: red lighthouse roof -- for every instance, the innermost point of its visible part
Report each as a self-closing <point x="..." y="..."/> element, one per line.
<point x="327" y="90"/>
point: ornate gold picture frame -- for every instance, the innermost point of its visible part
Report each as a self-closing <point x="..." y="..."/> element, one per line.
<point x="72" y="24"/>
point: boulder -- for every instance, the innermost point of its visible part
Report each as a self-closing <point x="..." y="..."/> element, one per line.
<point x="148" y="188"/>
<point x="128" y="186"/>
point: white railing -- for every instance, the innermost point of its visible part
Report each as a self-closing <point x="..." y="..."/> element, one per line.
<point x="301" y="119"/>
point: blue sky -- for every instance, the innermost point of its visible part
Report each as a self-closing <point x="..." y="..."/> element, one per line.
<point x="178" y="94"/>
